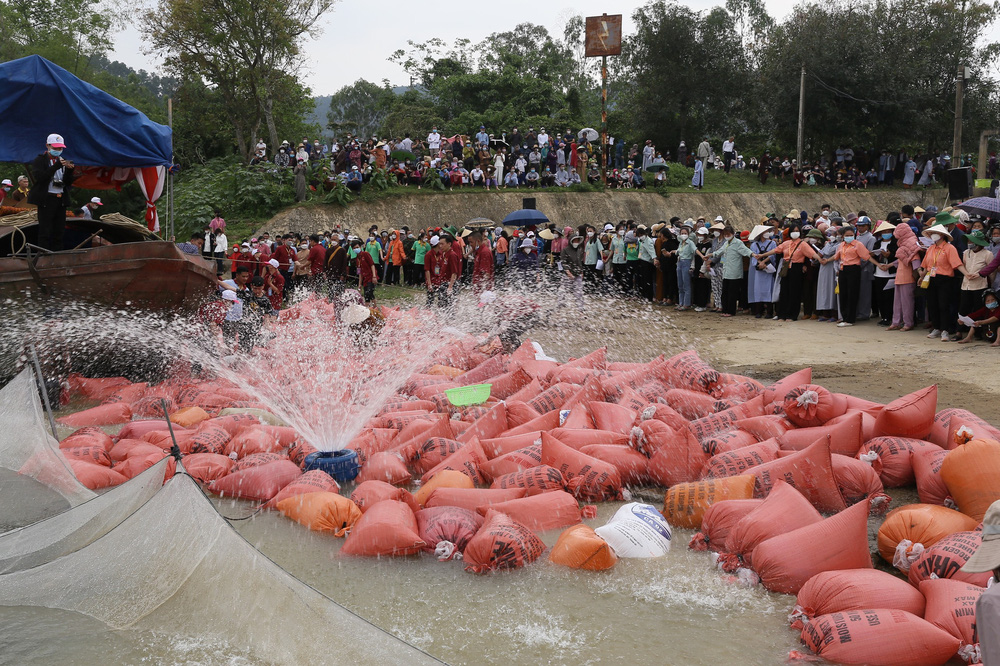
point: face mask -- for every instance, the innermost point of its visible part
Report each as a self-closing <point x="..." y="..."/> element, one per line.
<point x="576" y="244"/>
<point x="935" y="237"/>
<point x="55" y="152"/>
<point x="683" y="237"/>
<point x="768" y="236"/>
<point x="729" y="238"/>
<point x="886" y="236"/>
<point x="716" y="234"/>
<point x="794" y="235"/>
<point x="371" y="238"/>
<point x="526" y="250"/>
<point x="848" y="239"/>
<point x="621" y="232"/>
<point x="996" y="239"/>
<point x="590" y="234"/>
<point x="991" y="306"/>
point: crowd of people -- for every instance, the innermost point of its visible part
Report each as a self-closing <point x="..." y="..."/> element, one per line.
<point x="930" y="268"/>
<point x="543" y="159"/>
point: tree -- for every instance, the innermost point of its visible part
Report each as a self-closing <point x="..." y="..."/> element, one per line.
<point x="67" y="32"/>
<point x="361" y="107"/>
<point x="247" y="49"/>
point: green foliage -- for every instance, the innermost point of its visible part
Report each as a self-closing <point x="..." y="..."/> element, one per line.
<point x="677" y="176"/>
<point x="360" y="108"/>
<point x="432" y="180"/>
<point x="339" y="195"/>
<point x="380" y="180"/>
<point x="236" y="190"/>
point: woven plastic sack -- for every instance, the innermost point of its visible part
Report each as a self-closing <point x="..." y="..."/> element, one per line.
<point x="910" y="416"/>
<point x="717" y="523"/>
<point x="580" y="547"/>
<point x="539" y="513"/>
<point x="501" y="543"/>
<point x="851" y="590"/>
<point x="536" y="480"/>
<point x="388" y="528"/>
<point x="686" y="503"/>
<point x="637" y="531"/>
<point x="450" y="524"/>
<point x="972" y="474"/>
<point x="321" y="511"/>
<point x="909" y="530"/>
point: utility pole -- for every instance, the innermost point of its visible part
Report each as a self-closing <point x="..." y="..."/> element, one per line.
<point x="604" y="119"/>
<point x="956" y="146"/>
<point x="170" y="176"/>
<point x="802" y="118"/>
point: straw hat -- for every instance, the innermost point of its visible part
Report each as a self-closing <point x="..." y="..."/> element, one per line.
<point x="718" y="226"/>
<point x="757" y="230"/>
<point x="466" y="232"/>
<point x="884" y="226"/>
<point x="656" y="227"/>
<point x="987" y="556"/>
<point x="355" y="314"/>
<point x="937" y="229"/>
<point x="919" y="210"/>
<point x="793" y="214"/>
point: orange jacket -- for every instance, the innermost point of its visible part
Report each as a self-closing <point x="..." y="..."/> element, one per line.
<point x="396" y="253"/>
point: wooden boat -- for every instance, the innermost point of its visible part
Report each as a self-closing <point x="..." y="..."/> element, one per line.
<point x="127" y="266"/>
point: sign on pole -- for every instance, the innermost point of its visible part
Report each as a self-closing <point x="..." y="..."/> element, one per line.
<point x="604" y="38"/>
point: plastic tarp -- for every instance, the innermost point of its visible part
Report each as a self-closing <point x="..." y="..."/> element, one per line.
<point x="175" y="566"/>
<point x="35" y="479"/>
<point x="100" y="130"/>
<point x="71" y="530"/>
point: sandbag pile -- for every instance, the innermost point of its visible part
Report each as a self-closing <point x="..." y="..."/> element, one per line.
<point x="777" y="481"/>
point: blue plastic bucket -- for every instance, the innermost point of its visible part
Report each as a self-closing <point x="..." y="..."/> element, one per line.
<point x="341" y="465"/>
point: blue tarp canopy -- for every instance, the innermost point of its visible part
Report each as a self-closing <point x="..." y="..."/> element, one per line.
<point x="38" y="98"/>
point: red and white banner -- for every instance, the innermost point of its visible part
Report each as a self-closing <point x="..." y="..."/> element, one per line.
<point x="151" y="180"/>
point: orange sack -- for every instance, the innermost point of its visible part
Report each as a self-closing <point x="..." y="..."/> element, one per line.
<point x="846" y="436"/>
<point x="951" y="606"/>
<point x="632" y="466"/>
<point x="686" y="503"/>
<point x="946" y="558"/>
<point x="369" y="493"/>
<point x="256" y="460"/>
<point x="207" y="439"/>
<point x="966" y="426"/>
<point x="388" y="528"/>
<point x="251" y="440"/>
<point x="740" y="460"/>
<point x="447" y="478"/>
<point x="888" y="637"/>
<point x="447" y="523"/>
<point x="779" y="389"/>
<point x="519" y="413"/>
<point x="492" y="423"/>
<point x="854" y="589"/>
<point x="894" y="455"/>
<point x="858" y="481"/>
<point x="498" y="446"/>
<point x="613" y="418"/>
<point x="206" y="467"/>
<point x="136" y="429"/>
<point x="547" y="511"/>
<point x="867" y="423"/>
<point x="664" y="413"/>
<point x="785" y="562"/>
<point x="95" y="476"/>
<point x="111" y="414"/>
<point x="587" y="477"/>
<point x="466" y="460"/>
<point x="926" y="463"/>
<point x="515" y="461"/>
<point x="723" y="442"/>
<point x="501" y="543"/>
<point x="387" y="467"/>
<point x="810" y="471"/>
<point x="939" y="429"/>
<point x="88" y="436"/>
<point x="299" y="451"/>
<point x="579" y="547"/>
<point x="687" y="370"/>
<point x="909" y="416"/>
<point x="783" y="510"/>
<point x="134" y="465"/>
<point x="552" y="398"/>
<point x="907" y="531"/>
<point x="545" y="422"/>
<point x="577" y="439"/>
<point x="233" y="423"/>
<point x="257" y="483"/>
<point x="188" y="417"/>
<point x="765" y="427"/>
<point x="718" y="521"/>
<point x="321" y="511"/>
<point x="470" y="498"/>
<point x="125" y="447"/>
<point x="694" y="404"/>
<point x="810" y="405"/>
<point x="536" y="480"/>
<point x="313" y="481"/>
<point x="93" y="454"/>
<point x="677" y="456"/>
<point x="972" y="474"/>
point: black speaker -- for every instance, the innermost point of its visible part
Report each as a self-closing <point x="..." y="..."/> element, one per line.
<point x="960" y="183"/>
<point x="528" y="204"/>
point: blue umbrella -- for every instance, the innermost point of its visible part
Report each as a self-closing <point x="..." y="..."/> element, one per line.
<point x="985" y="206"/>
<point x="525" y="218"/>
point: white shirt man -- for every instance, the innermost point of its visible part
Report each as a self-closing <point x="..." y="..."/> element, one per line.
<point x="520" y="164"/>
<point x="728" y="146"/>
<point x="477" y="174"/>
<point x="543" y="138"/>
<point x="407" y="144"/>
<point x="562" y="178"/>
<point x="261" y="146"/>
<point x="434" y="141"/>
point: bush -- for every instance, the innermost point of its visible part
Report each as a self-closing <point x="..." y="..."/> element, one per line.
<point x="237" y="190"/>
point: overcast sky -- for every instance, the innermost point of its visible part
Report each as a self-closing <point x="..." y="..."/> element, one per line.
<point x="358" y="37"/>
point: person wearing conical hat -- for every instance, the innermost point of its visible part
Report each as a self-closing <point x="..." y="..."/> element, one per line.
<point x="937" y="277"/>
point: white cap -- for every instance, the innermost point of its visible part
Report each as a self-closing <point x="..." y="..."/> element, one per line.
<point x="246" y="244"/>
<point x="718" y="218"/>
<point x="702" y="231"/>
<point x="274" y="262"/>
<point x="435" y="240"/>
<point x="609" y="227"/>
<point x="229" y="295"/>
<point x="55" y="140"/>
<point x="96" y="200"/>
<point x="6" y="181"/>
<point x="531" y="234"/>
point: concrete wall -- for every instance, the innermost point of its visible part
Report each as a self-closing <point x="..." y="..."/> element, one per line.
<point x="573" y="208"/>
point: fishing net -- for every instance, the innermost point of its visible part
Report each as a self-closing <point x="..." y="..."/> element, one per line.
<point x="35" y="479"/>
<point x="176" y="566"/>
<point x="71" y="530"/>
